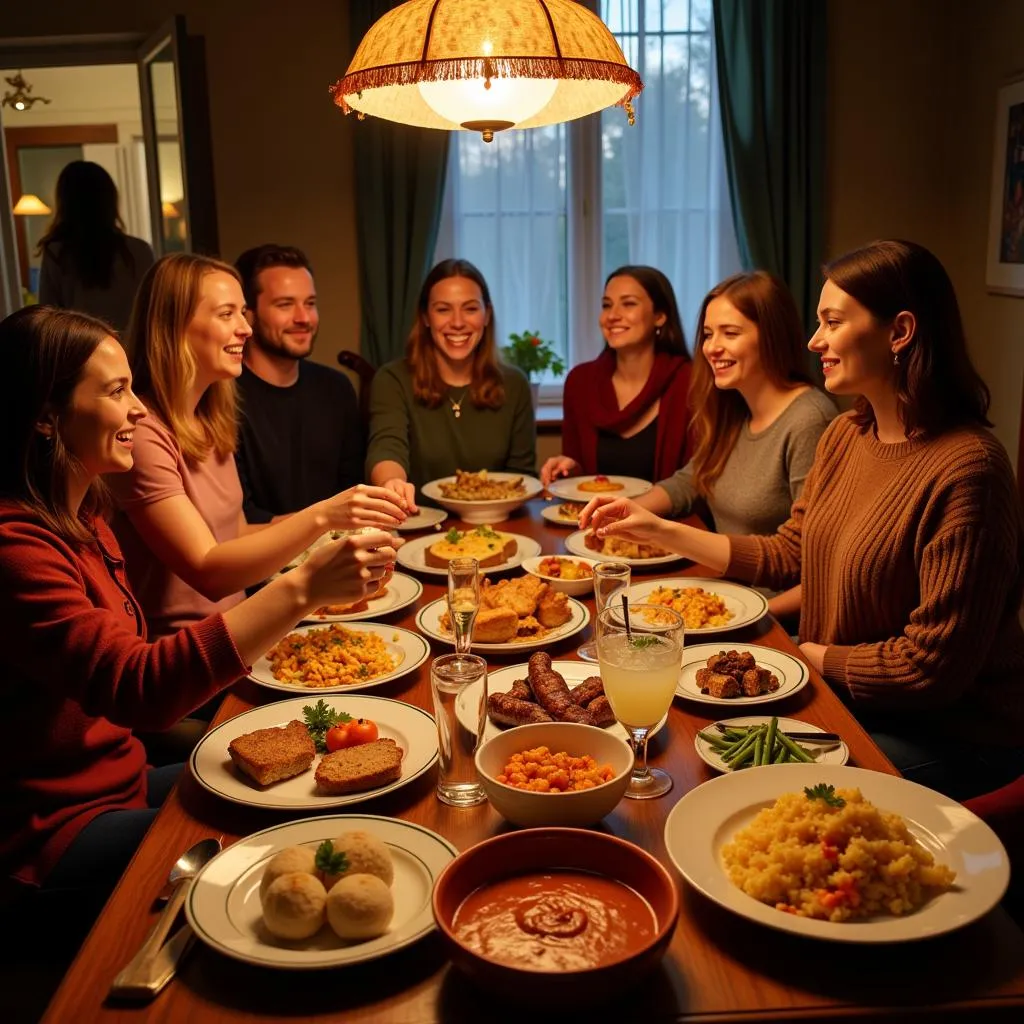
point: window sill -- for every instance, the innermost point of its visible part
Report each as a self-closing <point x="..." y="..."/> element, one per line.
<point x="549" y="418"/>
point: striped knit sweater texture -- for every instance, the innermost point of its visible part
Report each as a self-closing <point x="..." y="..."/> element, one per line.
<point x="910" y="556"/>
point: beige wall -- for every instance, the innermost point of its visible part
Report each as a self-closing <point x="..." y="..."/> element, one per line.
<point x="912" y="90"/>
<point x="282" y="152"/>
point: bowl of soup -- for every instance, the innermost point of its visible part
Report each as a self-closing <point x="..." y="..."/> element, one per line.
<point x="555" y="916"/>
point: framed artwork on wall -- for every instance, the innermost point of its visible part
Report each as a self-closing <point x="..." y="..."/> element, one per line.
<point x="1005" y="258"/>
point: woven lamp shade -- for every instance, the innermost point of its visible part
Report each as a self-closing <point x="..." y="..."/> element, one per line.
<point x="426" y="63"/>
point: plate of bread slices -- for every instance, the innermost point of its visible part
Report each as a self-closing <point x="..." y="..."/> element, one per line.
<point x="515" y="615"/>
<point x="495" y="550"/>
<point x="279" y="756"/>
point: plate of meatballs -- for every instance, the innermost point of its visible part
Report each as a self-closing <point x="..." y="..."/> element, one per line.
<point x="541" y="690"/>
<point x="713" y="674"/>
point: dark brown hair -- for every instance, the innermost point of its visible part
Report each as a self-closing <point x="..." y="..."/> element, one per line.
<point x="486" y="389"/>
<point x="719" y="414"/>
<point x="45" y="351"/>
<point x="671" y="338"/>
<point x="937" y="387"/>
<point x="87" y="224"/>
<point x="254" y="261"/>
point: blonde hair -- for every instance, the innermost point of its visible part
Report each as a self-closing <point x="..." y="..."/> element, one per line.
<point x="163" y="364"/>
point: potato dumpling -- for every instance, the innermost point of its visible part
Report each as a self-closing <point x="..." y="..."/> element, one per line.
<point x="360" y="907"/>
<point x="365" y="854"/>
<point x="294" y="906"/>
<point x="289" y="860"/>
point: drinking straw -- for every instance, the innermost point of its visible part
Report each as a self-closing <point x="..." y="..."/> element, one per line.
<point x="625" y="615"/>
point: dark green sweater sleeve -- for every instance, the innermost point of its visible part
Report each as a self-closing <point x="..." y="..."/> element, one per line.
<point x="389" y="419"/>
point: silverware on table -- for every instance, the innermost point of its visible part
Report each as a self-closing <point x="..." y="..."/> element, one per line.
<point x="156" y="961"/>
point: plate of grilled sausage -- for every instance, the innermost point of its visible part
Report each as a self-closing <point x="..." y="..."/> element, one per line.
<point x="540" y="690"/>
<point x="748" y="674"/>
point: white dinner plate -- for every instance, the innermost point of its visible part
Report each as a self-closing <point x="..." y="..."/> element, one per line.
<point x="793" y="673"/>
<point x="223" y="904"/>
<point x="428" y="620"/>
<point x="423" y="520"/>
<point x="412" y="728"/>
<point x="551" y="514"/>
<point x="706" y="752"/>
<point x="485" y="510"/>
<point x="576" y="545"/>
<point x="707" y="817"/>
<point x="746" y="604"/>
<point x="501" y="680"/>
<point x="408" y="650"/>
<point x="412" y="555"/>
<point x="568" y="489"/>
<point x="401" y="592"/>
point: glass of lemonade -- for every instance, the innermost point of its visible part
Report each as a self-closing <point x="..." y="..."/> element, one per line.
<point x="640" y="659"/>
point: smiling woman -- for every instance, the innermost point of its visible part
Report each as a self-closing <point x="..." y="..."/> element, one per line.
<point x="450" y="404"/>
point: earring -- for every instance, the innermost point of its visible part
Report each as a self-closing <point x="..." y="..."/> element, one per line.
<point x="895" y="359"/>
<point x="657" y="331"/>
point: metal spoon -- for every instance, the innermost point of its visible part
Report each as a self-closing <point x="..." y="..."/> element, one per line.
<point x="137" y="978"/>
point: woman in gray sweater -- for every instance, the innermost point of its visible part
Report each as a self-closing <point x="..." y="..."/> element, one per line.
<point x="756" y="418"/>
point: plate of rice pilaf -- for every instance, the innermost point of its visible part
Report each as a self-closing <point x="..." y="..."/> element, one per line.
<point x="337" y="659"/>
<point x="837" y="853"/>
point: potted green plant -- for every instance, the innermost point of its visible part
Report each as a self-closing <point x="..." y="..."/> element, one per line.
<point x="533" y="355"/>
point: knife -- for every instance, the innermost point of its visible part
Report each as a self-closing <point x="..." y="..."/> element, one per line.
<point x="819" y="737"/>
<point x="147" y="982"/>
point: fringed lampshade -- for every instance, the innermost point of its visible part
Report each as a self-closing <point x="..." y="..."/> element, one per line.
<point x="487" y="65"/>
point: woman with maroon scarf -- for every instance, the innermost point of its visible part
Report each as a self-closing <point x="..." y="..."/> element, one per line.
<point x="625" y="413"/>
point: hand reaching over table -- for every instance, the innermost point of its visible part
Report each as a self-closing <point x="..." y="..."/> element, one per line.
<point x="364" y="505"/>
<point x="404" y="491"/>
<point x="623" y="517"/>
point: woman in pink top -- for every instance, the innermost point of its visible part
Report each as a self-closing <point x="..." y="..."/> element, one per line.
<point x="188" y="546"/>
<point x="76" y="795"/>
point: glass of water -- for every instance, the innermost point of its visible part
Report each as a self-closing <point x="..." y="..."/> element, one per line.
<point x="611" y="579"/>
<point x="458" y="783"/>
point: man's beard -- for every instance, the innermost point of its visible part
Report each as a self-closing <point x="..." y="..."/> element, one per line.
<point x="277" y="349"/>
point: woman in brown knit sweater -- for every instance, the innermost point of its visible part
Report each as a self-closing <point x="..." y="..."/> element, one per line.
<point x="908" y="537"/>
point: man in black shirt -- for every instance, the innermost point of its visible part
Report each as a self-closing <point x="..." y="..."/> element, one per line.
<point x="301" y="437"/>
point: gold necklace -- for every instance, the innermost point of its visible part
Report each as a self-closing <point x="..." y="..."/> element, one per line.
<point x="457" y="406"/>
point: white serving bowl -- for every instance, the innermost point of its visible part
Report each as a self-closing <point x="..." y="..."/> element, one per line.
<point x="577" y="808"/>
<point x="496" y="510"/>
<point x="574" y="588"/>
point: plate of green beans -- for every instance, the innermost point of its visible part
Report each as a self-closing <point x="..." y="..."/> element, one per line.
<point x="756" y="740"/>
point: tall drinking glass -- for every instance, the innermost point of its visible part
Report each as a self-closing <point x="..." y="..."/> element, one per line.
<point x="611" y="579"/>
<point x="463" y="600"/>
<point x="640" y="658"/>
<point x="458" y="783"/>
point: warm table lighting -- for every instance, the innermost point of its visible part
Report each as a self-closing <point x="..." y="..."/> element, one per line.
<point x="485" y="65"/>
<point x="30" y="205"/>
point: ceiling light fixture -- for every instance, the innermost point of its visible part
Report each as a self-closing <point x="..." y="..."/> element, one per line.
<point x="30" y="205"/>
<point x="21" y="98"/>
<point x="486" y="66"/>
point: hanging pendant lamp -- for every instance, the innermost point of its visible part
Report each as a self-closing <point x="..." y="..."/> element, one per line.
<point x="487" y="65"/>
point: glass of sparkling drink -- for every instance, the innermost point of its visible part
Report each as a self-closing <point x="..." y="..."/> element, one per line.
<point x="611" y="579"/>
<point x="640" y="652"/>
<point x="463" y="600"/>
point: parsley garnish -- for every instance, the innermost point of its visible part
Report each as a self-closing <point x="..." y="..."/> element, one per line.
<point x="453" y="536"/>
<point x="329" y="862"/>
<point x="641" y="643"/>
<point x="319" y="718"/>
<point x="823" y="792"/>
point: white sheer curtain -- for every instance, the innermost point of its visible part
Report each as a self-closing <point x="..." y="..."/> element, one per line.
<point x="522" y="208"/>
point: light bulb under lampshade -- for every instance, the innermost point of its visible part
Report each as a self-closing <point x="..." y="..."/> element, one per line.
<point x="30" y="205"/>
<point x="427" y="63"/>
<point x="501" y="101"/>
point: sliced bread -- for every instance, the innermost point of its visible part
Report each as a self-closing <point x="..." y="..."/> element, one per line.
<point x="354" y="769"/>
<point x="269" y="755"/>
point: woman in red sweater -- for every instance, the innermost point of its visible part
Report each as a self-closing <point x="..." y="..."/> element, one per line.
<point x="79" y="674"/>
<point x="908" y="538"/>
<point x="626" y="412"/>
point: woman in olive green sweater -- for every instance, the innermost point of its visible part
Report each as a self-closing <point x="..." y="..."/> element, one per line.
<point x="449" y="404"/>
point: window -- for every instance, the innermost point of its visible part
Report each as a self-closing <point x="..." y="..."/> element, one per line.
<point x="546" y="214"/>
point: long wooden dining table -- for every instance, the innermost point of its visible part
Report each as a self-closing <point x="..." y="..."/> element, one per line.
<point x="719" y="968"/>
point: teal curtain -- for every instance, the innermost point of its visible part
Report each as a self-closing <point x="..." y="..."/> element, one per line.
<point x="399" y="180"/>
<point x="771" y="83"/>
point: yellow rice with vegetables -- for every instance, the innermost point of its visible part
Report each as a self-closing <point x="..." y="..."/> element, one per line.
<point x="830" y="854"/>
<point x="333" y="656"/>
<point x="698" y="607"/>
